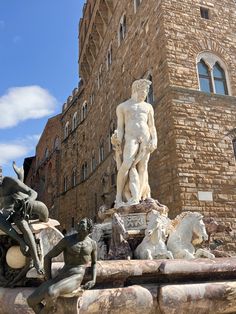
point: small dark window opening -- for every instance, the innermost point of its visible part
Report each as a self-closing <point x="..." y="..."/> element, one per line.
<point x="73" y="222"/>
<point x="204" y="13"/>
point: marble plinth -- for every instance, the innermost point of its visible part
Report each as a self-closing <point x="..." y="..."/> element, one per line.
<point x="195" y="298"/>
<point x="137" y="286"/>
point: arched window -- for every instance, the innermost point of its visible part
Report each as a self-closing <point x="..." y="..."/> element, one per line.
<point x="84" y="171"/>
<point x="66" y="130"/>
<point x="100" y="77"/>
<point x="46" y="153"/>
<point x="65" y="184"/>
<point x="150" y="96"/>
<point x="212" y="74"/>
<point x="93" y="163"/>
<point x="136" y="5"/>
<point x="56" y="143"/>
<point x="84" y="110"/>
<point x="204" y="77"/>
<point x="219" y="80"/>
<point x="122" y="29"/>
<point x="109" y="57"/>
<point x="73" y="178"/>
<point x="101" y="152"/>
<point x="74" y="121"/>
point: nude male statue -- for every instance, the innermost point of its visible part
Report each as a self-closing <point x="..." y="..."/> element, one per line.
<point x="137" y="133"/>
<point x="78" y="249"/>
<point x="17" y="204"/>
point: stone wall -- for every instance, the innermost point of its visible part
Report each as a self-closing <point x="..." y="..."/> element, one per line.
<point x="44" y="172"/>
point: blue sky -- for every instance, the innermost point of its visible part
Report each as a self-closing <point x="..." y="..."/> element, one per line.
<point x="39" y="70"/>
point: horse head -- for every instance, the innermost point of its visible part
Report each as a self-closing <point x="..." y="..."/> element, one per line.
<point x="199" y="228"/>
<point x="155" y="233"/>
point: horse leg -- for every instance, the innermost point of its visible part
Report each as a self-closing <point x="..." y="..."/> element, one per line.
<point x="149" y="254"/>
<point x="185" y="254"/>
<point x="169" y="255"/>
<point x="204" y="253"/>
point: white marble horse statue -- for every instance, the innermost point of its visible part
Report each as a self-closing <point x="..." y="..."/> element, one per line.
<point x="153" y="245"/>
<point x="189" y="230"/>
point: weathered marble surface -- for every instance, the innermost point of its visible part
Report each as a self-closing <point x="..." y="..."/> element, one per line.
<point x="146" y="290"/>
<point x="130" y="300"/>
<point x="202" y="298"/>
<point x="101" y="233"/>
<point x="195" y="298"/>
<point x="118" y="273"/>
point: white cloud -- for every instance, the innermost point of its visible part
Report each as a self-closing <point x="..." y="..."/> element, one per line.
<point x="10" y="152"/>
<point x="17" y="149"/>
<point x="23" y="103"/>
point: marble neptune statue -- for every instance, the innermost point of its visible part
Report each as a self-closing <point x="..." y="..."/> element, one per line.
<point x="133" y="141"/>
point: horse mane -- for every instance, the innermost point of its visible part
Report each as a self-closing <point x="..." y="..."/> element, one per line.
<point x="175" y="222"/>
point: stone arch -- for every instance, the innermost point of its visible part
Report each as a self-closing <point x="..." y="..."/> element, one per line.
<point x="212" y="46"/>
<point x="211" y="60"/>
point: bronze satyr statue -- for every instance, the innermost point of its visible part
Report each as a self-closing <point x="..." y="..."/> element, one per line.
<point x="78" y="249"/>
<point x="17" y="205"/>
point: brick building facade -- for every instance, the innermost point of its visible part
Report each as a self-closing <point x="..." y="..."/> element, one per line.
<point x="188" y="51"/>
<point x="42" y="172"/>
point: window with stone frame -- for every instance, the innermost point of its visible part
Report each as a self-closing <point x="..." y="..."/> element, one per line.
<point x="204" y="75"/>
<point x="74" y="177"/>
<point x="93" y="163"/>
<point x="219" y="80"/>
<point x="84" y="171"/>
<point x="84" y="111"/>
<point x="212" y="74"/>
<point x="46" y="153"/>
<point x="136" y="5"/>
<point x="99" y="79"/>
<point x="65" y="184"/>
<point x="74" y="121"/>
<point x="101" y="152"/>
<point x="56" y="143"/>
<point x="150" y="96"/>
<point x="109" y="56"/>
<point x="66" y="130"/>
<point x="234" y="147"/>
<point x="122" y="29"/>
